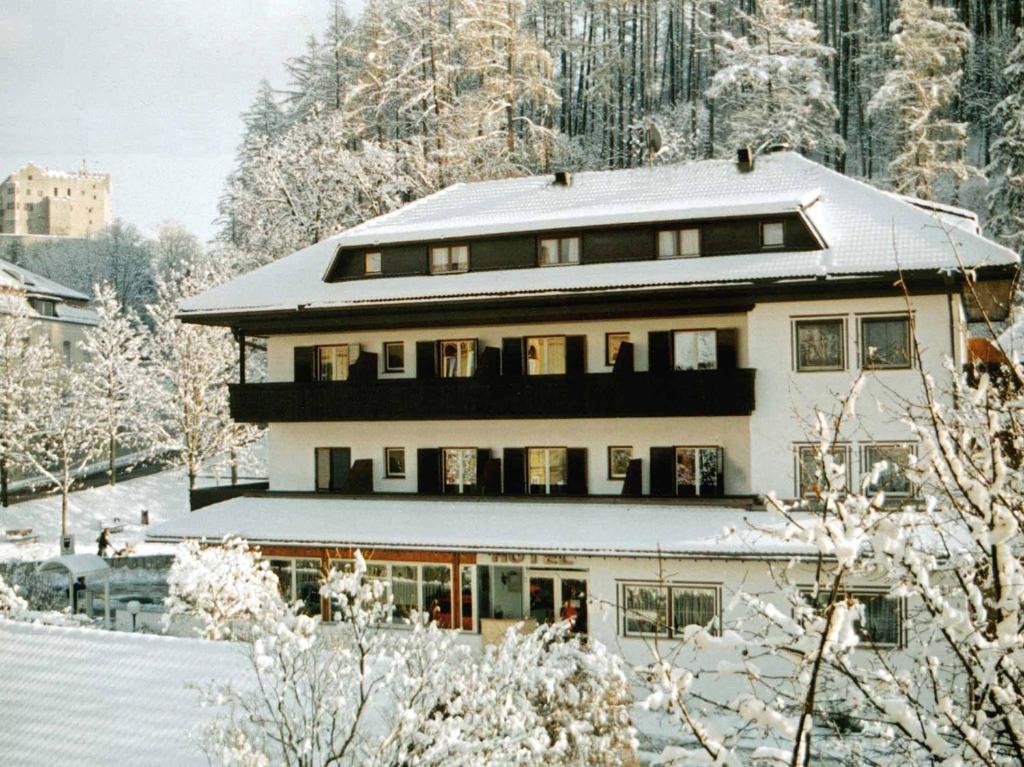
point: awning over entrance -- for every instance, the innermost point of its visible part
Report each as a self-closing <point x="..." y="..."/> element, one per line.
<point x="574" y="527"/>
<point x="86" y="567"/>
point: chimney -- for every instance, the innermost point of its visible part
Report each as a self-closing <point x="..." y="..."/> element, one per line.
<point x="563" y="178"/>
<point x="745" y="159"/>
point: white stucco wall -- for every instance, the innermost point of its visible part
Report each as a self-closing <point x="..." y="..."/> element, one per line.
<point x="759" y="449"/>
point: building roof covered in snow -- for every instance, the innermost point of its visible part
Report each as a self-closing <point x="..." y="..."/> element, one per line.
<point x="863" y="232"/>
<point x="89" y="697"/>
<point x="609" y="528"/>
<point x="68" y="305"/>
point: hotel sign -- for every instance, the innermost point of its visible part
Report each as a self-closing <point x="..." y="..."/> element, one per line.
<point x="532" y="559"/>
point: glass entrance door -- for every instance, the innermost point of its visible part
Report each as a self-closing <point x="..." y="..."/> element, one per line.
<point x="553" y="596"/>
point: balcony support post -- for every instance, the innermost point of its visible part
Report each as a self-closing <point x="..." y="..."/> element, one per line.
<point x="240" y="337"/>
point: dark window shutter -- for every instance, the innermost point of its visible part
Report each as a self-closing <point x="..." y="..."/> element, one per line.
<point x="483" y="455"/>
<point x="576" y="468"/>
<point x="364" y="368"/>
<point x="490" y="364"/>
<point x="624" y="359"/>
<point x="663" y="467"/>
<point x="727" y="340"/>
<point x="360" y="478"/>
<point x="304" y="360"/>
<point x="490" y="483"/>
<point x="633" y="484"/>
<point x="426" y="359"/>
<point x="341" y="458"/>
<point x="514" y="459"/>
<point x="512" y="356"/>
<point x="575" y="355"/>
<point x="659" y="351"/>
<point x="428" y="471"/>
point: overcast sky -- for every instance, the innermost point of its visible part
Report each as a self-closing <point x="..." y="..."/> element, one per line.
<point x="148" y="90"/>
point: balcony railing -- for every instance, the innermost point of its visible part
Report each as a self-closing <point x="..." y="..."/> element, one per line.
<point x="592" y="395"/>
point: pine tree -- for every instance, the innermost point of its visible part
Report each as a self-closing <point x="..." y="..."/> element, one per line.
<point x="772" y="86"/>
<point x="929" y="44"/>
<point x="1006" y="200"/>
<point x="115" y="385"/>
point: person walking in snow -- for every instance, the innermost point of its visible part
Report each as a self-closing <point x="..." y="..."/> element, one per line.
<point x="103" y="542"/>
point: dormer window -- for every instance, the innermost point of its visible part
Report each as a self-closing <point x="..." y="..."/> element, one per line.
<point x="44" y="307"/>
<point x="772" y="234"/>
<point x="372" y="262"/>
<point x="679" y="243"/>
<point x="447" y="259"/>
<point x="559" y="250"/>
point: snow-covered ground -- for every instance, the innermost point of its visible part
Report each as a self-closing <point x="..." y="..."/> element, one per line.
<point x="164" y="495"/>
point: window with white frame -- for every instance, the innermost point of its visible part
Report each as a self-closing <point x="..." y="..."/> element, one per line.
<point x="545" y="355"/>
<point x="459" y="469"/>
<point x="699" y="471"/>
<point x="810" y="468"/>
<point x="372" y="262"/>
<point x="679" y="243"/>
<point x="299" y="580"/>
<point x="886" y="465"/>
<point x="447" y="259"/>
<point x="458" y="358"/>
<point x="665" y="610"/>
<point x="414" y="588"/>
<point x="332" y="362"/>
<point x="547" y="469"/>
<point x="695" y="349"/>
<point x="558" y="250"/>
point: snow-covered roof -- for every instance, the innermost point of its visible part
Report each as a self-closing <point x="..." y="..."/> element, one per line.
<point x="89" y="697"/>
<point x="20" y="278"/>
<point x="608" y="528"/>
<point x="866" y="232"/>
<point x="77" y="566"/>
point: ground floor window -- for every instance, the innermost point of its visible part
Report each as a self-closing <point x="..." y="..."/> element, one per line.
<point x="882" y="622"/>
<point x="516" y="593"/>
<point x="422" y="588"/>
<point x="652" y="609"/>
<point x="299" y="580"/>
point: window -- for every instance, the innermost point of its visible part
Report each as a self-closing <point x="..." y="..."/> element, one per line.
<point x="372" y="262"/>
<point x="44" y="307"/>
<point x="885" y="342"/>
<point x="612" y="343"/>
<point x="547" y="468"/>
<point x="394" y="462"/>
<point x="332" y="362"/>
<point x="299" y="580"/>
<point x="679" y="243"/>
<point x="881" y="624"/>
<point x="445" y="259"/>
<point x="695" y="349"/>
<point x="459" y="467"/>
<point x="66" y="352"/>
<point x="809" y="480"/>
<point x="698" y="471"/>
<point x="394" y="357"/>
<point x="458" y="358"/>
<point x="618" y="461"/>
<point x="772" y="234"/>
<point x="887" y="465"/>
<point x="666" y="610"/>
<point x="332" y="465"/>
<point x="820" y="344"/>
<point x="545" y="356"/>
<point x="559" y="250"/>
<point x="415" y="588"/>
<point x="467" y="585"/>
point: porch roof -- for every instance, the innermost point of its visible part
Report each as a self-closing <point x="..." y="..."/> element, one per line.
<point x="578" y="527"/>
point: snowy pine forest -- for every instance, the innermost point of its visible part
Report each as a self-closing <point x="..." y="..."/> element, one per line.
<point x="408" y="97"/>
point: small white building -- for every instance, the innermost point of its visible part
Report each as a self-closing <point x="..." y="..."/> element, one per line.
<point x="563" y="396"/>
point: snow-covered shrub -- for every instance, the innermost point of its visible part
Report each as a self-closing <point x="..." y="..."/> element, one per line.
<point x="11" y="604"/>
<point x="361" y="692"/>
<point x="228" y="588"/>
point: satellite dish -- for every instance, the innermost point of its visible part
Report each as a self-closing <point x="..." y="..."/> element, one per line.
<point x="655" y="141"/>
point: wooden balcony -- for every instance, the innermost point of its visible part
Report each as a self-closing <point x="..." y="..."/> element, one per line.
<point x="592" y="395"/>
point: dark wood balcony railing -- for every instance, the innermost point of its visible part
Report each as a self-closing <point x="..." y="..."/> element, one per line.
<point x="591" y="395"/>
